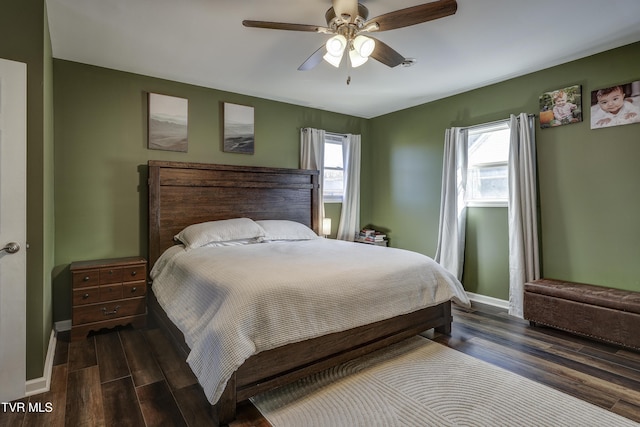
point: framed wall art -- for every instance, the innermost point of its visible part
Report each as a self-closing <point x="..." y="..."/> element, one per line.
<point x="168" y="119"/>
<point x="561" y="107"/>
<point x="238" y="129"/>
<point x="615" y="105"/>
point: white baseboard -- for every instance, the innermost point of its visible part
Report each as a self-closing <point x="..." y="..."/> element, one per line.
<point x="483" y="299"/>
<point x="43" y="384"/>
<point x="63" y="325"/>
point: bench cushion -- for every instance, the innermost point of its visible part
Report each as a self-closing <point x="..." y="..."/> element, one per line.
<point x="616" y="299"/>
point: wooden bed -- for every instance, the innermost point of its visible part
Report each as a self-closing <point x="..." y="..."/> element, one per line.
<point x="181" y="194"/>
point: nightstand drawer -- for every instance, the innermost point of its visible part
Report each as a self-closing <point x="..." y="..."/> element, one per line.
<point x="134" y="273"/>
<point x="86" y="278"/>
<point x="134" y="289"/>
<point x="109" y="310"/>
<point x="86" y="296"/>
<point x="110" y="292"/>
<point x="110" y="275"/>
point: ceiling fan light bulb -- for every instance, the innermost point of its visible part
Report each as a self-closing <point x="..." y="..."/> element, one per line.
<point x="357" y="59"/>
<point x="333" y="60"/>
<point x="364" y="45"/>
<point x="336" y="45"/>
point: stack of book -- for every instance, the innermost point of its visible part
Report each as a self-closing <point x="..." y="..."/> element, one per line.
<point x="367" y="235"/>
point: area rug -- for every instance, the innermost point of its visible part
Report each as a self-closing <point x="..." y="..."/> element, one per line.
<point x="421" y="383"/>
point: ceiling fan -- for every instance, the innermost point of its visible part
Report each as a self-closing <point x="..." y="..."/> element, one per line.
<point x="347" y="21"/>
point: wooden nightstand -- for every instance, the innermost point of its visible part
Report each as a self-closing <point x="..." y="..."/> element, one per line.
<point x="108" y="293"/>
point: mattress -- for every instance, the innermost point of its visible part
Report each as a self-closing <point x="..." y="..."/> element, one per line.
<point x="232" y="302"/>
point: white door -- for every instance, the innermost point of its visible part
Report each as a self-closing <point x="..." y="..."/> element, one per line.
<point x="13" y="208"/>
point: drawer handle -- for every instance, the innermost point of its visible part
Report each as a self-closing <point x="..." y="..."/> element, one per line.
<point x="134" y="289"/>
<point x="85" y="296"/>
<point x="85" y="278"/>
<point x="133" y="273"/>
<point x="108" y="313"/>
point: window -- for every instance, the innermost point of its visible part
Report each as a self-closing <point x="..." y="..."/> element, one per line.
<point x="333" y="183"/>
<point x="487" y="182"/>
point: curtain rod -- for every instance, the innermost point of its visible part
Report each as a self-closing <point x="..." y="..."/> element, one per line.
<point x="344" y="135"/>
<point x="495" y="122"/>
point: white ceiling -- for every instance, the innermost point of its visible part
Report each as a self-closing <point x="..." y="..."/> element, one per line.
<point x="203" y="42"/>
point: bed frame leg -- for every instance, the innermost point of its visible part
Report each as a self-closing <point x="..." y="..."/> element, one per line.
<point x="225" y="409"/>
<point x="444" y="329"/>
<point x="446" y="314"/>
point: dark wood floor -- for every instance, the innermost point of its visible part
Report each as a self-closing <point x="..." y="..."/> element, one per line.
<point x="136" y="378"/>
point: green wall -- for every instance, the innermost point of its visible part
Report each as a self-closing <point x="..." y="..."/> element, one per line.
<point x="588" y="179"/>
<point x="101" y="156"/>
<point x="486" y="270"/>
<point x="24" y="37"/>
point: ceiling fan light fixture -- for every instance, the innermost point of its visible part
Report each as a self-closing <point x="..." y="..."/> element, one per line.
<point x="357" y="59"/>
<point x="333" y="60"/>
<point x="336" y="45"/>
<point x="364" y="45"/>
<point x="335" y="50"/>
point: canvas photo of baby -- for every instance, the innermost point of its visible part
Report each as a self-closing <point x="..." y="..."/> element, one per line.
<point x="615" y="105"/>
<point x="561" y="107"/>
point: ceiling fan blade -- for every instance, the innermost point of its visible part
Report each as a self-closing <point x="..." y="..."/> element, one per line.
<point x="385" y="54"/>
<point x="313" y="60"/>
<point x="282" y="26"/>
<point x="414" y="15"/>
<point x="346" y="7"/>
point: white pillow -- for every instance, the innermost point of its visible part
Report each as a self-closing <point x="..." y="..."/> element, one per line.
<point x="226" y="230"/>
<point x="277" y="229"/>
<point x="238" y="242"/>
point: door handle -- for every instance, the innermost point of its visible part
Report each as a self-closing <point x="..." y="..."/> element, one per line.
<point x="11" y="248"/>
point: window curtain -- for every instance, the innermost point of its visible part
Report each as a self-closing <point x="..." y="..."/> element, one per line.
<point x="524" y="263"/>
<point x="312" y="157"/>
<point x="453" y="212"/>
<point x="350" y="213"/>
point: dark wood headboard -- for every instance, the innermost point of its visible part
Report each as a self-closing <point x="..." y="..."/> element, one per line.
<point x="181" y="194"/>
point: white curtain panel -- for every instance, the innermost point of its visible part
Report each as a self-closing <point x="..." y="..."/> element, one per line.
<point x="350" y="214"/>
<point x="312" y="157"/>
<point x="524" y="263"/>
<point x="453" y="212"/>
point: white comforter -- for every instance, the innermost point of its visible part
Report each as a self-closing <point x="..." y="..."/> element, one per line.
<point x="232" y="302"/>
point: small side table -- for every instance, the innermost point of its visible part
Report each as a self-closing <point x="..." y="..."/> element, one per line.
<point x="108" y="293"/>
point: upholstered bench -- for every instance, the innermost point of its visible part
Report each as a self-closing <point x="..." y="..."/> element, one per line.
<point x="606" y="314"/>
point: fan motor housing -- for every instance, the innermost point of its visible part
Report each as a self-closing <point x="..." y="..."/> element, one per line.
<point x="331" y="17"/>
